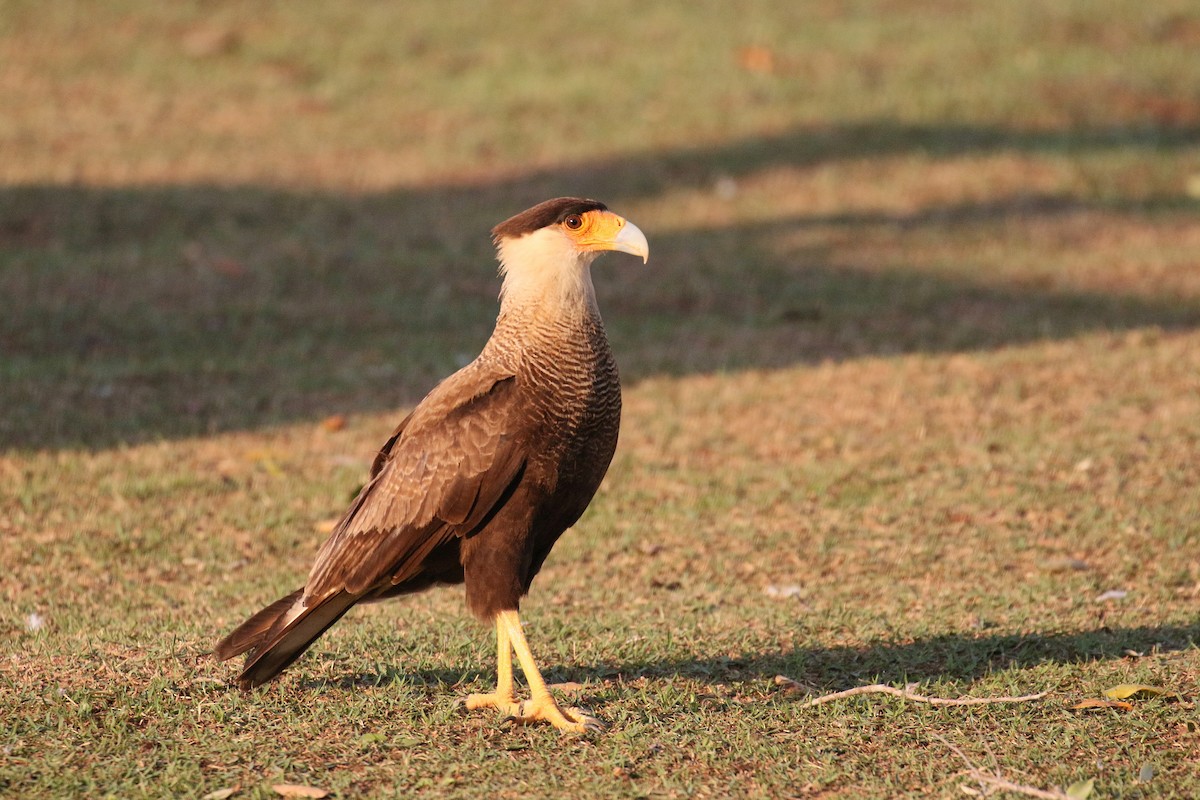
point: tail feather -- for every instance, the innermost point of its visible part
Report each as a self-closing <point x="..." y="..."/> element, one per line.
<point x="249" y="634"/>
<point x="280" y="633"/>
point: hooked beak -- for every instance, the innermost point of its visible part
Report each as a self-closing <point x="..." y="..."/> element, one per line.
<point x="612" y="232"/>
<point x="631" y="240"/>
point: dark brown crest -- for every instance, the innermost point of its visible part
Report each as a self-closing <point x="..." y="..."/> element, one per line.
<point x="544" y="214"/>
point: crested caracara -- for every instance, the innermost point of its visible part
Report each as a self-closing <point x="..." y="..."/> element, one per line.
<point x="485" y="474"/>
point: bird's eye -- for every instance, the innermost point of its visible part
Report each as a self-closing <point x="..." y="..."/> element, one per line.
<point x="573" y="222"/>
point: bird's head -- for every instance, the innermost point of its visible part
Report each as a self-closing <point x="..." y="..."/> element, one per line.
<point x="545" y="252"/>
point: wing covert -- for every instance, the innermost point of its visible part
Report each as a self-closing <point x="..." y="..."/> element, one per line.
<point x="440" y="474"/>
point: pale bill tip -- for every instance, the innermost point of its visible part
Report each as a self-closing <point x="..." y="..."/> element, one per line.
<point x="631" y="240"/>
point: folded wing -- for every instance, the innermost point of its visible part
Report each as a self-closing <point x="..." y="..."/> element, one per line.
<point x="445" y="471"/>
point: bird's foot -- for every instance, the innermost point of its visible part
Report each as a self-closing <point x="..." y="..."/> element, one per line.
<point x="545" y="709"/>
<point x="504" y="703"/>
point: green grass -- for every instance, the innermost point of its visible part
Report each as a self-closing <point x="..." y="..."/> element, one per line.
<point x="919" y="338"/>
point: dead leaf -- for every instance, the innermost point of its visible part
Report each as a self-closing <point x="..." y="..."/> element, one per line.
<point x="407" y="742"/>
<point x="756" y="59"/>
<point x="1112" y="594"/>
<point x="221" y="794"/>
<point x="1081" y="790"/>
<point x="793" y="685"/>
<point x="1139" y="691"/>
<point x="1093" y="702"/>
<point x="567" y="687"/>
<point x="335" y="422"/>
<point x="298" y="790"/>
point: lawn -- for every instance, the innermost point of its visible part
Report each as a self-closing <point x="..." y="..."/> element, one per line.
<point x="912" y="389"/>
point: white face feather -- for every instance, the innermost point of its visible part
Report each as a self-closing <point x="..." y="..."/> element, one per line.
<point x="545" y="268"/>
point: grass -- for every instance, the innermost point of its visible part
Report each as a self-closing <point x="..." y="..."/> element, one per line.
<point x="917" y="348"/>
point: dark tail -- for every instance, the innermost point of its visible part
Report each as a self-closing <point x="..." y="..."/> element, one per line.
<point x="279" y="634"/>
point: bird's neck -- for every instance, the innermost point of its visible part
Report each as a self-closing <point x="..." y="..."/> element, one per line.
<point x="550" y="322"/>
<point x="561" y="301"/>
<point x="541" y="284"/>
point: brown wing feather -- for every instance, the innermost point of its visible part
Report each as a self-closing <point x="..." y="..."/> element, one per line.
<point x="385" y="452"/>
<point x="441" y="473"/>
<point x="448" y="464"/>
<point x="251" y="632"/>
<point x="290" y="636"/>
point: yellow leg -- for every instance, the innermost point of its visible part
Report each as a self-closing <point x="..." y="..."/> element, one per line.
<point x="502" y="699"/>
<point x="541" y="705"/>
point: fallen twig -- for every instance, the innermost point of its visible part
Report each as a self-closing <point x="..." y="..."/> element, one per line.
<point x="998" y="783"/>
<point x="1008" y="786"/>
<point x="880" y="688"/>
<point x="972" y="770"/>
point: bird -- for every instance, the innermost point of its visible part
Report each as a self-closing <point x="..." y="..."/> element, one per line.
<point x="485" y="474"/>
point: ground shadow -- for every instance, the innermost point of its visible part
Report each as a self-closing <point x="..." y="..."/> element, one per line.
<point x="954" y="657"/>
<point x="134" y="314"/>
<point x="950" y="657"/>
